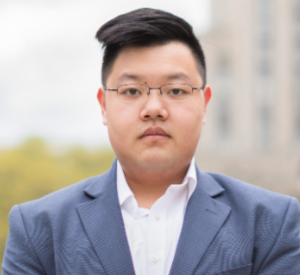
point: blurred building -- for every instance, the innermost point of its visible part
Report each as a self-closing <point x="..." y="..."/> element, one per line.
<point x="253" y="119"/>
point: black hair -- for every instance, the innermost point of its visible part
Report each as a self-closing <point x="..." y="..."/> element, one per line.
<point x="146" y="27"/>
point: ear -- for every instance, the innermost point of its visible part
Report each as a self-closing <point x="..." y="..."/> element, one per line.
<point x="102" y="102"/>
<point x="207" y="96"/>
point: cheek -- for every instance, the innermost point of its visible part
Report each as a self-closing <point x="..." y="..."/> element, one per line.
<point x="190" y="119"/>
<point x="121" y="119"/>
<point x="186" y="128"/>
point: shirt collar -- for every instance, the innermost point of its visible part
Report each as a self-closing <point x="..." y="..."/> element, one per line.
<point x="190" y="179"/>
<point x="124" y="192"/>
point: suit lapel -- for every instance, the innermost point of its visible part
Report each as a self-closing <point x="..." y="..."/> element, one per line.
<point x="102" y="220"/>
<point x="203" y="219"/>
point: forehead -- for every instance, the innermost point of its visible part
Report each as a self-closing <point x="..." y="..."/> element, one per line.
<point x="168" y="62"/>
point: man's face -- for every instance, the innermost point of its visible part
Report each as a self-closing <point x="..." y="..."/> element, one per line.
<point x="154" y="134"/>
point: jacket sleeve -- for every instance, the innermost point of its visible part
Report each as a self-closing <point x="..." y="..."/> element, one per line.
<point x="19" y="256"/>
<point x="284" y="256"/>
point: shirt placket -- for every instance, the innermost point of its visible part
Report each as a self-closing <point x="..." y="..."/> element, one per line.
<point x="156" y="241"/>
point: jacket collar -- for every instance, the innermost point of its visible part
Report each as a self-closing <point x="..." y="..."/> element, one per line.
<point x="208" y="184"/>
<point x="102" y="183"/>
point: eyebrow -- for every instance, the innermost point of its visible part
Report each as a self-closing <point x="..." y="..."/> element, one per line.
<point x="178" y="76"/>
<point x="128" y="76"/>
<point x="174" y="76"/>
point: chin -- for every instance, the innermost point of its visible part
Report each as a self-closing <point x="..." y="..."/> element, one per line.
<point x="156" y="161"/>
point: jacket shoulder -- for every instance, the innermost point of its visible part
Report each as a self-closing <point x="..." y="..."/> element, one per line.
<point x="61" y="200"/>
<point x="256" y="205"/>
<point x="248" y="193"/>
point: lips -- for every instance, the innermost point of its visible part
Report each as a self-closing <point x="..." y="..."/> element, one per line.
<point x="154" y="132"/>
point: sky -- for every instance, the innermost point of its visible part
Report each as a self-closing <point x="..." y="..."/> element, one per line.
<point x="50" y="65"/>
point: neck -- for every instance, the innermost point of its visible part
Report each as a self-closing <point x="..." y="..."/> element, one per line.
<point x="148" y="187"/>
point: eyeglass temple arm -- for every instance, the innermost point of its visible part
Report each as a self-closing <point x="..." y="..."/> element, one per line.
<point x="114" y="90"/>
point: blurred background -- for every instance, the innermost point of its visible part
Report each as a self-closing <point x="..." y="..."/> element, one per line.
<point x="253" y="56"/>
<point x="51" y="132"/>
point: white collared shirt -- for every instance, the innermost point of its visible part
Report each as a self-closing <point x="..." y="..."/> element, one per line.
<point x="153" y="233"/>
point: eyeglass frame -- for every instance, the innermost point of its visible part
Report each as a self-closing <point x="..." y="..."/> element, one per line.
<point x="159" y="88"/>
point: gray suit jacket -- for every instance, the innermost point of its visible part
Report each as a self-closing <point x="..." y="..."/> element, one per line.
<point x="230" y="228"/>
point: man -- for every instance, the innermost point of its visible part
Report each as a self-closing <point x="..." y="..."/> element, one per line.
<point x="154" y="212"/>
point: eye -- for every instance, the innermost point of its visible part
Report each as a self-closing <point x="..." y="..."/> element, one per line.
<point x="177" y="92"/>
<point x="132" y="92"/>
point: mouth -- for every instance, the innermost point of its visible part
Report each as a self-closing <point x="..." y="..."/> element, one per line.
<point x="154" y="134"/>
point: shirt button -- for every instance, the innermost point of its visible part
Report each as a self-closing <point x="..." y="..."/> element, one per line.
<point x="155" y="259"/>
<point x="157" y="217"/>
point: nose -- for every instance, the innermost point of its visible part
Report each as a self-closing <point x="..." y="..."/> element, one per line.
<point x="154" y="107"/>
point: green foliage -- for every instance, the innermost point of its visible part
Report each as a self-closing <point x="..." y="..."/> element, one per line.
<point x="34" y="169"/>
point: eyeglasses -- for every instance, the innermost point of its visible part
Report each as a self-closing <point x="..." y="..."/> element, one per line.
<point x="139" y="92"/>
